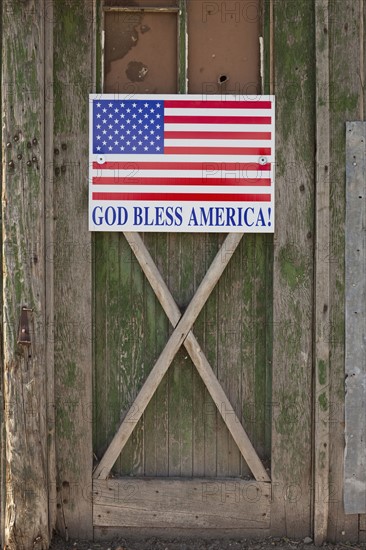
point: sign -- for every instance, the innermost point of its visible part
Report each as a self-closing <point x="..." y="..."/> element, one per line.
<point x="181" y="163"/>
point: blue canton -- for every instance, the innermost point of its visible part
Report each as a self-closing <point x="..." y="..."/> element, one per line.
<point x="128" y="127"/>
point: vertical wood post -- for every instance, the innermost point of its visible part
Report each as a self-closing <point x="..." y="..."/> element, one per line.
<point x="293" y="273"/>
<point x="322" y="265"/>
<point x="25" y="368"/>
<point x="74" y="26"/>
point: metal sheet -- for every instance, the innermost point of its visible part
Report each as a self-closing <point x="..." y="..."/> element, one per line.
<point x="223" y="53"/>
<point x="355" y="452"/>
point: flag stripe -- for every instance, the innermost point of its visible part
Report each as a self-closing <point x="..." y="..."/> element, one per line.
<point x="176" y="104"/>
<point x="189" y="197"/>
<point x="216" y="151"/>
<point x="212" y="165"/>
<point x="181" y="181"/>
<point x="217" y="135"/>
<point x="217" y="119"/>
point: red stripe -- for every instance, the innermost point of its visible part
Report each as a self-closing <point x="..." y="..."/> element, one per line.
<point x="171" y="104"/>
<point x="182" y="181"/>
<point x="217" y="119"/>
<point x="208" y="166"/>
<point x="216" y="151"/>
<point x="217" y="135"/>
<point x="178" y="197"/>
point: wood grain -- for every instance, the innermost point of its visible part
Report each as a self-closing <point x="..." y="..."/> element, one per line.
<point x="181" y="503"/>
<point x="72" y="263"/>
<point x="294" y="77"/>
<point x="322" y="271"/>
<point x="25" y="367"/>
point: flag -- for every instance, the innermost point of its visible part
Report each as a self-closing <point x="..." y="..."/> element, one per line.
<point x="182" y="149"/>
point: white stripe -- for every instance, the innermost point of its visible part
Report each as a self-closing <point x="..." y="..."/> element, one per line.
<point x="210" y="159"/>
<point x="235" y="190"/>
<point x="193" y="127"/>
<point x="208" y="173"/>
<point x="182" y="111"/>
<point x="216" y="143"/>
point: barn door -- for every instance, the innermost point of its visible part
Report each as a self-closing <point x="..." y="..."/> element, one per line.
<point x="184" y="446"/>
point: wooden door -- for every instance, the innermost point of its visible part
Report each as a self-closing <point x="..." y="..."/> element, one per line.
<point x="181" y="468"/>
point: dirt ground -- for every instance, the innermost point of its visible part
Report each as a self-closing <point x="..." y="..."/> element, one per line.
<point x="199" y="544"/>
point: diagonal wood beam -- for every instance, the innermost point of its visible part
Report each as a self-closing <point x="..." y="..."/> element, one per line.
<point x="166" y="357"/>
<point x="198" y="357"/>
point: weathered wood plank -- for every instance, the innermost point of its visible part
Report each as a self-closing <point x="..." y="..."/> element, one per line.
<point x="25" y="370"/>
<point x="182" y="503"/>
<point x="355" y="299"/>
<point x="161" y="366"/>
<point x="72" y="82"/>
<point x="322" y="269"/>
<point x="346" y="97"/>
<point x="294" y="53"/>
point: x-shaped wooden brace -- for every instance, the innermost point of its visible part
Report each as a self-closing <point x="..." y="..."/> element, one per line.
<point x="182" y="334"/>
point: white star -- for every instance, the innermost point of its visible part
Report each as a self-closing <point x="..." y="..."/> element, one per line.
<point x="140" y="110"/>
<point x="152" y="142"/>
<point x="134" y="126"/>
<point x="116" y="142"/>
<point x="99" y="115"/>
<point x="116" y="110"/>
<point x="157" y="138"/>
<point x="134" y="115"/>
<point x="134" y="137"/>
<point x="140" y="142"/>
<point x="122" y="105"/>
<point x="110" y="148"/>
<point x="158" y="104"/>
<point x="104" y="121"/>
<point x="122" y="115"/>
<point x="157" y="116"/>
<point x="146" y="105"/>
<point x="146" y="116"/>
<point x="98" y="104"/>
<point x="140" y="132"/>
<point x="98" y="148"/>
<point x="110" y="115"/>
<point x="128" y="122"/>
<point x="122" y="137"/>
<point x="122" y="148"/>
<point x="122" y="127"/>
<point x="133" y="148"/>
<point x="139" y="121"/>
<point x="146" y="126"/>
<point x="146" y="148"/>
<point x="104" y="143"/>
<point x="128" y="132"/>
<point x="104" y="132"/>
<point x="158" y="127"/>
<point x="152" y="121"/>
<point x="110" y="126"/>
<point x="145" y="137"/>
<point x="110" y="138"/>
<point x="152" y="132"/>
<point x="98" y="138"/>
<point x="128" y="142"/>
<point x="116" y="121"/>
<point x="104" y="110"/>
<point x="98" y="126"/>
<point x="134" y="105"/>
<point x="116" y="132"/>
<point x="158" y="148"/>
<point x="110" y="104"/>
<point x="152" y="110"/>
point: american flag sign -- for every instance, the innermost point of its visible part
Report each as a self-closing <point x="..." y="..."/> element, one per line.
<point x="181" y="163"/>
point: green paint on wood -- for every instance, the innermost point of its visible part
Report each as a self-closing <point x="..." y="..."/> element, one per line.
<point x="323" y="402"/>
<point x="322" y="372"/>
<point x="293" y="266"/>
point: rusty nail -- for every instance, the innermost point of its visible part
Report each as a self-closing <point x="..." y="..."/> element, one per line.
<point x="29" y="163"/>
<point x="16" y="138"/>
<point x="64" y="146"/>
<point x="63" y="168"/>
<point x="57" y="152"/>
<point x="19" y="157"/>
<point x="29" y="145"/>
<point x="11" y="164"/>
<point x="8" y="145"/>
<point x="34" y="141"/>
<point x="34" y="159"/>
